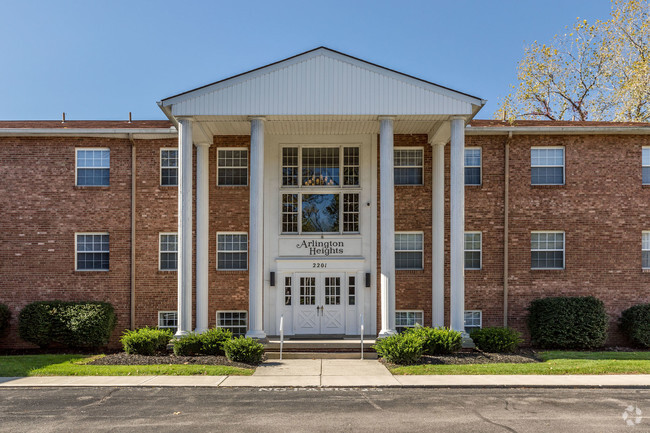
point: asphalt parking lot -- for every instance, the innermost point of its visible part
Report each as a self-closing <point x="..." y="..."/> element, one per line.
<point x="323" y="409"/>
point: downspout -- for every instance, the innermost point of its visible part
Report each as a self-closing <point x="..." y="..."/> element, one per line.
<point x="506" y="206"/>
<point x="133" y="191"/>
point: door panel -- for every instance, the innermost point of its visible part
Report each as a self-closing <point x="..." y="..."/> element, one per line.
<point x="306" y="317"/>
<point x="320" y="306"/>
<point x="332" y="317"/>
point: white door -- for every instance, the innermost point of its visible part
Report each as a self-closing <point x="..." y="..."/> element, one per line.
<point x="320" y="306"/>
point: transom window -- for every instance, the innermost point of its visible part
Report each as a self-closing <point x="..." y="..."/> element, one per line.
<point x="547" y="165"/>
<point x="320" y="166"/>
<point x="473" y="250"/>
<point x="235" y="321"/>
<point x="232" y="167"/>
<point x="409" y="251"/>
<point x="472" y="166"/>
<point x="93" y="167"/>
<point x="168" y="251"/>
<point x="408" y="166"/>
<point x="547" y="250"/>
<point x="473" y="320"/>
<point x="646" y="250"/>
<point x="232" y="251"/>
<point x="408" y="319"/>
<point x="169" y="167"/>
<point x="92" y="252"/>
<point x="645" y="165"/>
<point x="168" y="320"/>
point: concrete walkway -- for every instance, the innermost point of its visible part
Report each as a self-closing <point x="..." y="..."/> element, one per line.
<point x="334" y="373"/>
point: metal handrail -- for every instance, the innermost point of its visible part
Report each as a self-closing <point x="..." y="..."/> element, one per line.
<point x="361" y="317"/>
<point x="281" y="334"/>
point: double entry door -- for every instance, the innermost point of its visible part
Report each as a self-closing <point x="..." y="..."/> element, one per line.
<point x="320" y="306"/>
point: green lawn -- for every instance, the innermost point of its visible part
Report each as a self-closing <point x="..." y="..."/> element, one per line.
<point x="555" y="362"/>
<point x="75" y="365"/>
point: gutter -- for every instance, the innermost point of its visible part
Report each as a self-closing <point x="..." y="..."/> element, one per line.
<point x="99" y="132"/>
<point x="133" y="192"/>
<point x="557" y="130"/>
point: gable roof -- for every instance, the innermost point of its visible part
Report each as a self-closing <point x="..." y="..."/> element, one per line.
<point x="321" y="82"/>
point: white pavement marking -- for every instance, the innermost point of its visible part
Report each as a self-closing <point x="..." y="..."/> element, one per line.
<point x="271" y="381"/>
<point x="359" y="381"/>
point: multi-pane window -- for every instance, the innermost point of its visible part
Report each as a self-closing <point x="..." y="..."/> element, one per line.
<point x="408" y="165"/>
<point x="93" y="167"/>
<point x="351" y="166"/>
<point x="350" y="213"/>
<point x="169" y="167"/>
<point x="547" y="166"/>
<point x="232" y="251"/>
<point x="168" y="320"/>
<point x="289" y="213"/>
<point x="232" y="167"/>
<point x="92" y="251"/>
<point x="320" y="213"/>
<point x="408" y="251"/>
<point x="473" y="321"/>
<point x="235" y="321"/>
<point x="645" y="162"/>
<point x="547" y="250"/>
<point x="320" y="166"/>
<point x="290" y="166"/>
<point x="168" y="251"/>
<point x="646" y="250"/>
<point x="287" y="290"/>
<point x="473" y="250"/>
<point x="408" y="319"/>
<point x="352" y="290"/>
<point x="473" y="166"/>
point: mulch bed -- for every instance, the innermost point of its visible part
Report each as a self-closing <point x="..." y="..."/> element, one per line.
<point x="478" y="357"/>
<point x="122" y="358"/>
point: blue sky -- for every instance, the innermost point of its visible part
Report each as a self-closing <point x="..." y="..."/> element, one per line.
<point x="101" y="59"/>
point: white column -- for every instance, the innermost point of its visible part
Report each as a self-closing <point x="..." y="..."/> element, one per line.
<point x="202" y="234"/>
<point x="184" y="226"/>
<point x="387" y="227"/>
<point x="256" y="232"/>
<point x="438" y="235"/>
<point x="457" y="224"/>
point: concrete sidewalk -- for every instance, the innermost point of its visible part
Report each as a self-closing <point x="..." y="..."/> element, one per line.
<point x="333" y="373"/>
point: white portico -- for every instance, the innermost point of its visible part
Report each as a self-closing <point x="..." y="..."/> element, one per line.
<point x="322" y="220"/>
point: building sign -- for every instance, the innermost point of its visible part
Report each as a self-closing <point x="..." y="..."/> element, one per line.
<point x="310" y="247"/>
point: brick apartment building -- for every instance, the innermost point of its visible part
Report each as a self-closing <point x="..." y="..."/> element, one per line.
<point x="325" y="190"/>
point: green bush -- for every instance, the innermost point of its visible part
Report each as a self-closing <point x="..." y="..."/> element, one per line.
<point x="212" y="341"/>
<point x="497" y="340"/>
<point x="635" y="324"/>
<point x="568" y="322"/>
<point x="405" y="348"/>
<point x="146" y="341"/>
<point x="74" y="324"/>
<point x="188" y="345"/>
<point x="243" y="349"/>
<point x="5" y="314"/>
<point x="437" y="341"/>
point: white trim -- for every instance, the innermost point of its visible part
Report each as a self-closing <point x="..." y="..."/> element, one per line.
<point x="563" y="249"/>
<point x="643" y="234"/>
<point x="480" y="251"/>
<point x="563" y="165"/>
<point x="421" y="149"/>
<point x="160" y="235"/>
<point x="231" y="327"/>
<point x="247" y="248"/>
<point x="76" y="268"/>
<point x="240" y="148"/>
<point x="161" y="166"/>
<point x="480" y="165"/>
<point x="76" y="165"/>
<point x="142" y="133"/>
<point x="644" y="149"/>
<point x="167" y="312"/>
<point x="420" y="251"/>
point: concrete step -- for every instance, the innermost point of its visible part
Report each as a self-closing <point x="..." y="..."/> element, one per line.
<point x="321" y="355"/>
<point x="319" y="345"/>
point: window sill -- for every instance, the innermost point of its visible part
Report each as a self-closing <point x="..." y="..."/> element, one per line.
<point x="232" y="186"/>
<point x="408" y="184"/>
<point x="232" y="271"/>
<point x="548" y="270"/>
<point x="645" y="185"/>
<point x="410" y="271"/>
<point x="90" y="272"/>
<point x="645" y="270"/>
<point x="474" y="185"/>
<point x="167" y="272"/>
<point x="547" y="186"/>
<point x="89" y="187"/>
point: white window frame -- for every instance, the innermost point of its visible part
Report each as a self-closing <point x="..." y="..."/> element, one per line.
<point x="76" y="252"/>
<point x="409" y="311"/>
<point x="480" y="251"/>
<point x="247" y="253"/>
<point x="421" y="149"/>
<point x="76" y="166"/>
<point x="480" y="317"/>
<point x="160" y="251"/>
<point x="161" y="166"/>
<point x="480" y="165"/>
<point x="160" y="313"/>
<point x="644" y="149"/>
<point x="421" y="251"/>
<point x="248" y="161"/>
<point x="563" y="165"/>
<point x="563" y="250"/>
<point x="645" y="233"/>
<point x="231" y="311"/>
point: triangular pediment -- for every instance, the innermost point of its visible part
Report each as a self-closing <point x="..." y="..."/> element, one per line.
<point x="321" y="82"/>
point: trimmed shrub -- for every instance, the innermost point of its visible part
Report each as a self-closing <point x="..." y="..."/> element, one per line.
<point x="5" y="314"/>
<point x="568" y="322"/>
<point x="146" y="341"/>
<point x="437" y="341"/>
<point x="188" y="345"/>
<point x="405" y="348"/>
<point x="212" y="341"/>
<point x="243" y="349"/>
<point x="635" y="324"/>
<point x="74" y="324"/>
<point x="497" y="340"/>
